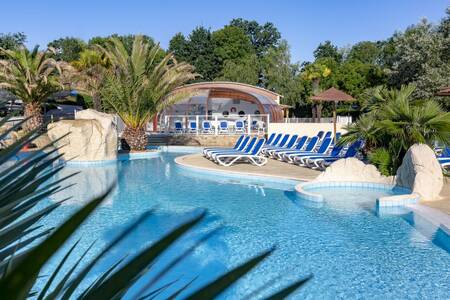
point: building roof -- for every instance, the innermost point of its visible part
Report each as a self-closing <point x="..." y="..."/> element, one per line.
<point x="242" y="87"/>
<point x="332" y="94"/>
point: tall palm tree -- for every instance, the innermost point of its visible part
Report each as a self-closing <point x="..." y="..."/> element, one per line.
<point x="315" y="72"/>
<point x="90" y="67"/>
<point x="32" y="76"/>
<point x="140" y="84"/>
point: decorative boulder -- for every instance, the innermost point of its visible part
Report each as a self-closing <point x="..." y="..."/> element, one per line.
<point x="352" y="169"/>
<point x="420" y="171"/>
<point x="92" y="136"/>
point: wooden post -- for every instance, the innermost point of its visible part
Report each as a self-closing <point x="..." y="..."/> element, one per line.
<point x="334" y="120"/>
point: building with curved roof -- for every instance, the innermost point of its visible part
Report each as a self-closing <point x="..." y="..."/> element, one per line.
<point x="227" y="99"/>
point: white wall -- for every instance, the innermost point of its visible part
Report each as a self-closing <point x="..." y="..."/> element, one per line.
<point x="309" y="129"/>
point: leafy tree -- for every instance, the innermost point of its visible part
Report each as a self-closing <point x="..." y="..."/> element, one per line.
<point x="32" y="76"/>
<point x="202" y="57"/>
<point x="68" y="49"/>
<point x="179" y="46"/>
<point x="281" y="76"/>
<point x="366" y="52"/>
<point x="327" y="50"/>
<point x="243" y="70"/>
<point x="12" y="41"/>
<point x="138" y="85"/>
<point x="419" y="58"/>
<point x="198" y="50"/>
<point x="263" y="37"/>
<point x="355" y="76"/>
<point x="231" y="43"/>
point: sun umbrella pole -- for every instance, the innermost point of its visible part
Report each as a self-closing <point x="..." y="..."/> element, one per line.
<point x="334" y="120"/>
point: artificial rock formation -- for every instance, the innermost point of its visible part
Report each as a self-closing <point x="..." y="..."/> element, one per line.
<point x="92" y="136"/>
<point x="420" y="171"/>
<point x="352" y="169"/>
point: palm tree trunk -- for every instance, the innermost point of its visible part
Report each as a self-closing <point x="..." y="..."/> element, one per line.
<point x="315" y="91"/>
<point x="33" y="111"/>
<point x="319" y="111"/>
<point x="135" y="138"/>
<point x="97" y="102"/>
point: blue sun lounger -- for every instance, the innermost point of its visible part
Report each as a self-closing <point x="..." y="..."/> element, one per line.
<point x="246" y="149"/>
<point x="288" y="145"/>
<point x="274" y="141"/>
<point x="270" y="139"/>
<point x="327" y="134"/>
<point x="289" y="156"/>
<point x="235" y="147"/>
<point x="322" y="163"/>
<point x="253" y="156"/>
<point x="303" y="160"/>
<point x="323" y="148"/>
<point x="282" y="142"/>
<point x="242" y="145"/>
<point x="298" y="147"/>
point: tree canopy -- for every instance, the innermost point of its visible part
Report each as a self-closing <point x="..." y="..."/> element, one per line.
<point x="12" y="41"/>
<point x="255" y="53"/>
<point x="263" y="37"/>
<point x="68" y="48"/>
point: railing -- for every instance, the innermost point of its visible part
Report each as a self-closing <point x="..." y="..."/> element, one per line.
<point x="214" y="125"/>
<point x="339" y="119"/>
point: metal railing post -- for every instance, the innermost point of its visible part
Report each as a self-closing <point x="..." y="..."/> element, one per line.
<point x="267" y="124"/>
<point x="196" y="123"/>
<point x="249" y="124"/>
<point x="216" y="127"/>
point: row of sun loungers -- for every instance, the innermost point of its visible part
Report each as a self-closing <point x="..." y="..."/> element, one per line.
<point x="444" y="157"/>
<point x="315" y="152"/>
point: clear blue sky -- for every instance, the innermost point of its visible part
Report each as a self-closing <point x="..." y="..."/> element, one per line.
<point x="303" y="23"/>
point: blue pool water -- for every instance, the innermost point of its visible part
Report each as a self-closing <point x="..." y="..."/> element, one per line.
<point x="352" y="251"/>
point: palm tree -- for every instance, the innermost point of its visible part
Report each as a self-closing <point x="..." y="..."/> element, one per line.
<point x="32" y="76"/>
<point x="315" y="72"/>
<point x="90" y="67"/>
<point x="395" y="122"/>
<point x="140" y="84"/>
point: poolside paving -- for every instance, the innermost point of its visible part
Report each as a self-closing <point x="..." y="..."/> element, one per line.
<point x="444" y="203"/>
<point x="273" y="168"/>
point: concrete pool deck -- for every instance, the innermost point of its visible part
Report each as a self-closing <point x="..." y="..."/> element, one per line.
<point x="279" y="169"/>
<point x="273" y="168"/>
<point x="444" y="203"/>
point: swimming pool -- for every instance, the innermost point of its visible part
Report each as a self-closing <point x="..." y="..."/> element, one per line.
<point x="351" y="250"/>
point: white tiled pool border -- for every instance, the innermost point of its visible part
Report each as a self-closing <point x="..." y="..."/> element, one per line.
<point x="388" y="201"/>
<point x="247" y="177"/>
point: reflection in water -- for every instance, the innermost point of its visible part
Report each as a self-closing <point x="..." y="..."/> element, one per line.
<point x="87" y="184"/>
